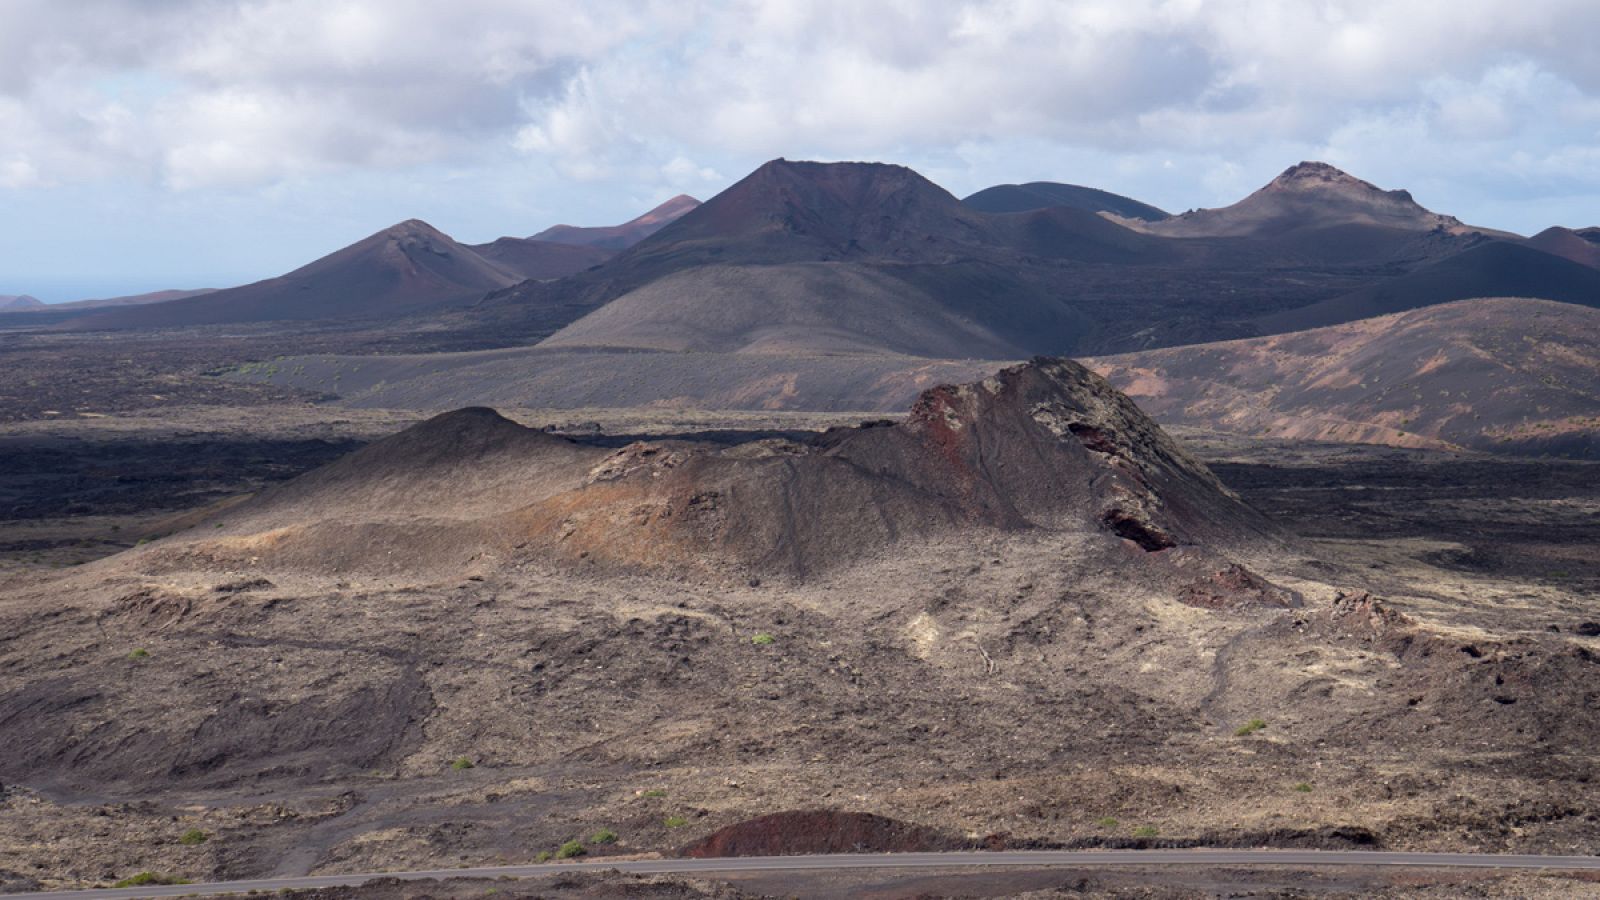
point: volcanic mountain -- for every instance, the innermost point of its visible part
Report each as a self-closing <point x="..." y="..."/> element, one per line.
<point x="20" y="303"/>
<point x="1011" y="198"/>
<point x="895" y="262"/>
<point x="1506" y="375"/>
<point x="1582" y="246"/>
<point x="406" y="268"/>
<point x="1308" y="195"/>
<point x="867" y="257"/>
<point x="1044" y="445"/>
<point x="621" y="237"/>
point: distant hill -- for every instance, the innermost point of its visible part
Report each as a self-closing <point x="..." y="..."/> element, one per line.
<point x="1502" y="375"/>
<point x="621" y="237"/>
<point x="406" y="268"/>
<point x="1011" y="198"/>
<point x="1582" y="247"/>
<point x="543" y="260"/>
<point x="131" y="299"/>
<point x="1494" y="269"/>
<point x="1053" y="280"/>
<point x="19" y="302"/>
<point x="1308" y="195"/>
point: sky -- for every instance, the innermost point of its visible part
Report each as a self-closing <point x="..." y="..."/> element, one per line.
<point x="206" y="143"/>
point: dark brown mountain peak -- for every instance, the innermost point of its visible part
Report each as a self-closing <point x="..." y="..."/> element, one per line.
<point x="1318" y="174"/>
<point x="1309" y="195"/>
<point x="801" y="209"/>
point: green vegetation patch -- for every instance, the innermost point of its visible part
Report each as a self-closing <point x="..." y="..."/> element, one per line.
<point x="144" y="878"/>
<point x="194" y="837"/>
<point x="571" y="849"/>
<point x="1249" y="728"/>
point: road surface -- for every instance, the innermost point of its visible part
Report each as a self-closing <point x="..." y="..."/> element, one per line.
<point x="838" y="861"/>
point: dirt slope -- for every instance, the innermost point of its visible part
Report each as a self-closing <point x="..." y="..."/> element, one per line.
<point x="1520" y="376"/>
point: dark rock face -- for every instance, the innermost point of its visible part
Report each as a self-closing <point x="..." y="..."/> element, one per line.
<point x="820" y="831"/>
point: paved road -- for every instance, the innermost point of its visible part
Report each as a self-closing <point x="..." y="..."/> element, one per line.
<point x="1012" y="858"/>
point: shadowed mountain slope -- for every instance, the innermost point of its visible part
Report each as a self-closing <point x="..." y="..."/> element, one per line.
<point x="539" y="259"/>
<point x="406" y="268"/>
<point x="1520" y="376"/>
<point x="1492" y="269"/>
<point x="1010" y="198"/>
<point x="20" y="303"/>
<point x="621" y="237"/>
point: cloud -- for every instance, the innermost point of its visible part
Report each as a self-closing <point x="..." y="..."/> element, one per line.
<point x="201" y="94"/>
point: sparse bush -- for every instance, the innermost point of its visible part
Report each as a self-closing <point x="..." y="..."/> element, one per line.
<point x="653" y="794"/>
<point x="144" y="878"/>
<point x="762" y="639"/>
<point x="603" y="836"/>
<point x="463" y="764"/>
<point x="571" y="849"/>
<point x="139" y="653"/>
<point x="675" y="821"/>
<point x="1106" y="822"/>
<point x="1249" y="728"/>
<point x="544" y="856"/>
<point x="1303" y="787"/>
<point x="1145" y="831"/>
<point x="194" y="837"/>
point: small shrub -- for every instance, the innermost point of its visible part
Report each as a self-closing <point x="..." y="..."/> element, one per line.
<point x="603" y="836"/>
<point x="139" y="653"/>
<point x="544" y="856"/>
<point x="1145" y="831"/>
<point x="463" y="764"/>
<point x="1249" y="728"/>
<point x="653" y="794"/>
<point x="144" y="878"/>
<point x="1106" y="822"/>
<point x="762" y="639"/>
<point x="194" y="837"/>
<point x="1303" y="787"/>
<point x="571" y="849"/>
<point x="675" y="821"/>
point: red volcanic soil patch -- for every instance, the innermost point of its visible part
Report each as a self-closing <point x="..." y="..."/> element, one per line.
<point x="1234" y="587"/>
<point x="821" y="831"/>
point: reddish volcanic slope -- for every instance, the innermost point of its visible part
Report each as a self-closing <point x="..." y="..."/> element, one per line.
<point x="1521" y="376"/>
<point x="621" y="237"/>
<point x="1045" y="445"/>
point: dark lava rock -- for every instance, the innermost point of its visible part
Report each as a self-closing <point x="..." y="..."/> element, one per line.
<point x="820" y="831"/>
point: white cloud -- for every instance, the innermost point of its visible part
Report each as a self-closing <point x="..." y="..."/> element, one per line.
<point x="648" y="94"/>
